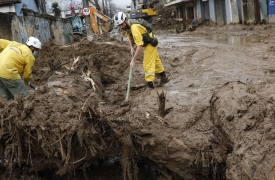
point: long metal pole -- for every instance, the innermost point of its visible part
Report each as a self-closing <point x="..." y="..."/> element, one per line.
<point x="267" y="12"/>
<point x="88" y="23"/>
<point x="129" y="82"/>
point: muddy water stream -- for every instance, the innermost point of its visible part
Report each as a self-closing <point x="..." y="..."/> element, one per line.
<point x="237" y="39"/>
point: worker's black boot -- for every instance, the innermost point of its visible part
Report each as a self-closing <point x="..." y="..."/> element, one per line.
<point x="150" y="85"/>
<point x="163" y="79"/>
<point x="157" y="75"/>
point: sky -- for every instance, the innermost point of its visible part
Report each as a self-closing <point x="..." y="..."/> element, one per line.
<point x="122" y="3"/>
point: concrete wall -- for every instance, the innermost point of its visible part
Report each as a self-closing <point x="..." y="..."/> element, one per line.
<point x="220" y="10"/>
<point x="232" y="15"/>
<point x="250" y="11"/>
<point x="19" y="28"/>
<point x="7" y="8"/>
<point x="234" y="12"/>
<point x="240" y="10"/>
<point x="228" y="13"/>
<point x="263" y="7"/>
<point x="6" y="26"/>
<point x="197" y="10"/>
<point x="212" y="10"/>
<point x="205" y="14"/>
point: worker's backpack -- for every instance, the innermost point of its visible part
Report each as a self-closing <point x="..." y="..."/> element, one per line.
<point x="146" y="37"/>
<point x="142" y="22"/>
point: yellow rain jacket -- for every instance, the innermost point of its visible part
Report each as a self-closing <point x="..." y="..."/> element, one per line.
<point x="15" y="59"/>
<point x="151" y="61"/>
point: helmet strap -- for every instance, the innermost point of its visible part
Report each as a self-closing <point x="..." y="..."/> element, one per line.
<point x="31" y="48"/>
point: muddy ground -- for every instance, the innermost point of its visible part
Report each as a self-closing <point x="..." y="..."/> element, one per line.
<point x="219" y="110"/>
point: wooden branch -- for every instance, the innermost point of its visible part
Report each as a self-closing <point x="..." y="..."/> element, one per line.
<point x="161" y="103"/>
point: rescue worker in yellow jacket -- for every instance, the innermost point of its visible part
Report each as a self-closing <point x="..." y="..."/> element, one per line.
<point x="152" y="64"/>
<point x="16" y="60"/>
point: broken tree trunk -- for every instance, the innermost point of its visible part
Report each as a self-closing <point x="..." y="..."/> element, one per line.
<point x="161" y="103"/>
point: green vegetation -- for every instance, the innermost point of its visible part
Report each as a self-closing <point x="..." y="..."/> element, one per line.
<point x="56" y="9"/>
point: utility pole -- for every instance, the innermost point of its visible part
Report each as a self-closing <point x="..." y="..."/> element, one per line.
<point x="42" y="6"/>
<point x="97" y="6"/>
<point x="267" y="13"/>
<point x="110" y="10"/>
<point x="88" y="23"/>
<point x="103" y="7"/>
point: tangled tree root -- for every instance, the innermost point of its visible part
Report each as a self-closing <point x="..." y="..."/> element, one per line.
<point x="64" y="143"/>
<point x="129" y="166"/>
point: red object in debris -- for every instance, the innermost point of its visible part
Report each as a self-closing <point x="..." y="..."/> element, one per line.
<point x="72" y="9"/>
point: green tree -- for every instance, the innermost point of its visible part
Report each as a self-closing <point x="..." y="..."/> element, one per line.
<point x="56" y="9"/>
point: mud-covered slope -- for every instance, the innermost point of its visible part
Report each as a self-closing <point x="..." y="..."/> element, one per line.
<point x="78" y="115"/>
<point x="246" y="118"/>
<point x="60" y="124"/>
<point x="218" y="123"/>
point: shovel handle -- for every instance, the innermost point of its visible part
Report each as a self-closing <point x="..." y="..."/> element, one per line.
<point x="129" y="82"/>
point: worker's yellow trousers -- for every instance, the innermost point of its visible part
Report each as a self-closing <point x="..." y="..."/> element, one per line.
<point x="151" y="63"/>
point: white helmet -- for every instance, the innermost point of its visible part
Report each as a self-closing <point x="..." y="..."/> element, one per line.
<point x="119" y="18"/>
<point x="32" y="41"/>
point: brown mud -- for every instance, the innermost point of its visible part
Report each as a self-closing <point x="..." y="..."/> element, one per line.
<point x="219" y="110"/>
